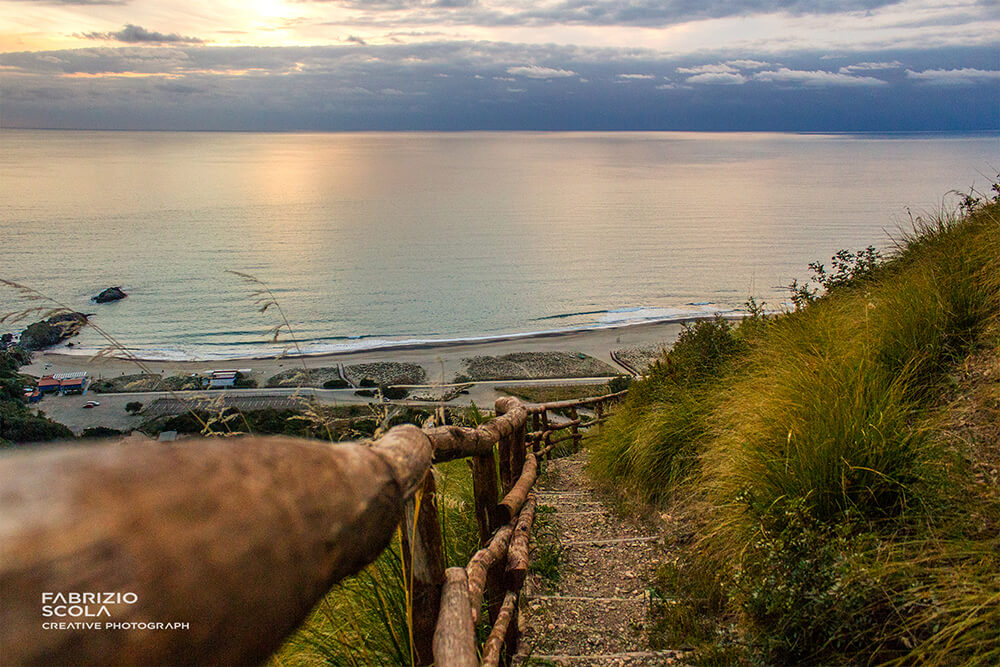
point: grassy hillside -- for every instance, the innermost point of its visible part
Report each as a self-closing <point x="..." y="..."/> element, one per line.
<point x="832" y="507"/>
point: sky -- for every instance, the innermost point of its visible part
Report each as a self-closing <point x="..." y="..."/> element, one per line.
<point x="708" y="65"/>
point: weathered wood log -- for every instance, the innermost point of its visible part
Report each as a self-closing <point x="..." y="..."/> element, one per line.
<point x="517" y="554"/>
<point x="512" y="502"/>
<point x="575" y="428"/>
<point x="236" y="537"/>
<point x="480" y="565"/>
<point x="423" y="562"/>
<point x="495" y="642"/>
<point x="409" y="452"/>
<point x="546" y="436"/>
<point x="484" y="492"/>
<point x="455" y="634"/>
<point x="502" y="405"/>
<point x="457" y="442"/>
<point x="563" y="438"/>
<point x="454" y="442"/>
<point x="552" y="428"/>
<point x="577" y="403"/>
<point x="518" y="450"/>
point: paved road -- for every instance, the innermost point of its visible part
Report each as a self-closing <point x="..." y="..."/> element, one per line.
<point x="111" y="413"/>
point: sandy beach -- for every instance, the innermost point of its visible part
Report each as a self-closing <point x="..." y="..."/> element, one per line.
<point x="441" y="361"/>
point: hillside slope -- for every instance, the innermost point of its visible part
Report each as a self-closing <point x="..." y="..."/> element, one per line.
<point x="832" y="472"/>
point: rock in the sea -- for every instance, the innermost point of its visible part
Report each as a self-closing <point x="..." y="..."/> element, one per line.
<point x="110" y="294"/>
<point x="56" y="329"/>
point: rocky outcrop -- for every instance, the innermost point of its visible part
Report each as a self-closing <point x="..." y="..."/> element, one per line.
<point x="56" y="329"/>
<point x="108" y="295"/>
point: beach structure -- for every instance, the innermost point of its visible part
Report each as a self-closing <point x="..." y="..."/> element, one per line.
<point x="48" y="384"/>
<point x="64" y="383"/>
<point x="226" y="377"/>
<point x="222" y="379"/>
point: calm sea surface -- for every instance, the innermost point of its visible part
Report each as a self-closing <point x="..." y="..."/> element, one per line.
<point x="368" y="238"/>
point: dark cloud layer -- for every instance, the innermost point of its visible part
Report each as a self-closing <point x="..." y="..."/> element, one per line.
<point x="648" y="13"/>
<point x="490" y="85"/>
<point x="136" y="34"/>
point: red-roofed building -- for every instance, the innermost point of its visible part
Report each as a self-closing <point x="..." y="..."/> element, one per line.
<point x="73" y="385"/>
<point x="48" y="383"/>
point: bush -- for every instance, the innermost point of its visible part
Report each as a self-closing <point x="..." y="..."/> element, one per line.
<point x="100" y="432"/>
<point x="133" y="407"/>
<point x="367" y="382"/>
<point x="394" y="393"/>
<point x="619" y="383"/>
<point x="336" y="384"/>
<point x="18" y="424"/>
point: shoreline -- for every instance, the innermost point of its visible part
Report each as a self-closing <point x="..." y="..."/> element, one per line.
<point x="388" y="345"/>
<point x="441" y="359"/>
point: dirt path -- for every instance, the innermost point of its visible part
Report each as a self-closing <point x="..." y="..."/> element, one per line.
<point x="587" y="602"/>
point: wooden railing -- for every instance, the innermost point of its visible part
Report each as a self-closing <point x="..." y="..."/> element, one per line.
<point x="224" y="545"/>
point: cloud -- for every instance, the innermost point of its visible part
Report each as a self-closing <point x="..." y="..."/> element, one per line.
<point x="717" y="68"/>
<point x="76" y="2"/>
<point x="643" y="13"/>
<point x="870" y="66"/>
<point x="748" y="64"/>
<point x="963" y="76"/>
<point x="135" y="34"/>
<point x="538" y="72"/>
<point x="816" y="78"/>
<point x="718" y="78"/>
<point x="346" y="87"/>
<point x="636" y="76"/>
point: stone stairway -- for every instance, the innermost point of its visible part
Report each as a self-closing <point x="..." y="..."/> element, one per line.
<point x="589" y="605"/>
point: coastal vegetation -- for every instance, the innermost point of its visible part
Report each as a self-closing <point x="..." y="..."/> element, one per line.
<point x="828" y="476"/>
<point x="548" y="393"/>
<point x="533" y="366"/>
<point x="18" y="423"/>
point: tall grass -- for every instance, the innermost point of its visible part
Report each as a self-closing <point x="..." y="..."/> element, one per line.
<point x="364" y="620"/>
<point x="808" y="449"/>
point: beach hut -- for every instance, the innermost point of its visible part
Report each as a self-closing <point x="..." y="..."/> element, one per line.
<point x="223" y="379"/>
<point x="74" y="385"/>
<point x="48" y="384"/>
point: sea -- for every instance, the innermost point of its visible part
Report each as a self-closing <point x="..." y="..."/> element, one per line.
<point x="365" y="240"/>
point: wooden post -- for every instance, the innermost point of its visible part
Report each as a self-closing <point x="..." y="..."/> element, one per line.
<point x="575" y="429"/>
<point x="548" y="438"/>
<point x="455" y="635"/>
<point x="503" y="452"/>
<point x="507" y="478"/>
<point x="484" y="491"/>
<point x="423" y="560"/>
<point x="518" y="451"/>
<point x="536" y="427"/>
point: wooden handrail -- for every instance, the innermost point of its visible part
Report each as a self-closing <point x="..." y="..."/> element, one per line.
<point x="239" y="538"/>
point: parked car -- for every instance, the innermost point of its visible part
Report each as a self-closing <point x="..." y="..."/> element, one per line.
<point x="91" y="404"/>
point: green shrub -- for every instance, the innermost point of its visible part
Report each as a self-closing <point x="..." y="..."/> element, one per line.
<point x="619" y="383"/>
<point x="100" y="432"/>
<point x="336" y="384"/>
<point x="394" y="393"/>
